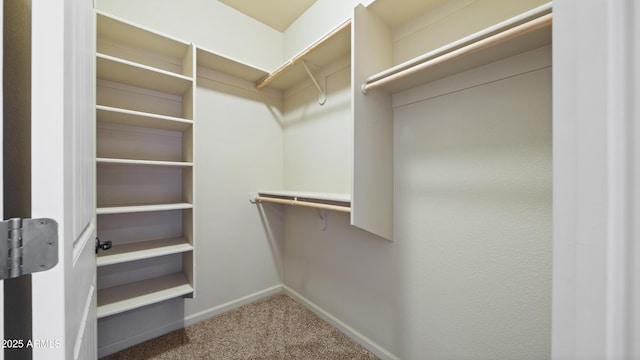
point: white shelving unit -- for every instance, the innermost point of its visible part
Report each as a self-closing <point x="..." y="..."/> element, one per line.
<point x="145" y="166"/>
<point x="398" y="47"/>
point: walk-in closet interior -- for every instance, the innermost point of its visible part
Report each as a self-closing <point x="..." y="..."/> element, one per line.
<point x="387" y="164"/>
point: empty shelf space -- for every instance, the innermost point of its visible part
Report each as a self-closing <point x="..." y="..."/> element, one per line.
<point x="124" y="209"/>
<point x="120" y="253"/>
<point x="112" y="161"/>
<point x="126" y="297"/>
<point x="326" y="201"/>
<point x="141" y="119"/>
<point x="137" y="37"/>
<point x="127" y="72"/>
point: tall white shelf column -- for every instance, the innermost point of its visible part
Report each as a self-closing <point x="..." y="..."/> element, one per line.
<point x="145" y="165"/>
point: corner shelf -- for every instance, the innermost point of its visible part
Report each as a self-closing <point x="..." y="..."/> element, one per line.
<point x="130" y="296"/>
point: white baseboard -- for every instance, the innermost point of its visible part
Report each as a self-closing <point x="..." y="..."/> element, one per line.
<point x="189" y="320"/>
<point x="356" y="336"/>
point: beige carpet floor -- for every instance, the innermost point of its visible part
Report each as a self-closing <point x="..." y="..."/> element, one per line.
<point x="276" y="327"/>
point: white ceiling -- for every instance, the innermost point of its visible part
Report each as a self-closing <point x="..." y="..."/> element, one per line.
<point x="278" y="14"/>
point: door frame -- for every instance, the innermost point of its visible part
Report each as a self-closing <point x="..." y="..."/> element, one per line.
<point x="596" y="266"/>
<point x="2" y="166"/>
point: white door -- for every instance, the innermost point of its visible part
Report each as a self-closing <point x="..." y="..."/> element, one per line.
<point x="63" y="171"/>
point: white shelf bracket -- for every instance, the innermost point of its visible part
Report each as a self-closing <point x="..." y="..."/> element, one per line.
<point x="322" y="98"/>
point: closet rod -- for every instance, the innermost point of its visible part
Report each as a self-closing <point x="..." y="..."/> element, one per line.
<point x="492" y="40"/>
<point x="296" y="202"/>
<point x="269" y="78"/>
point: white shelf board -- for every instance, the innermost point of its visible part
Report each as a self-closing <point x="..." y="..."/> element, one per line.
<point x="125" y="209"/>
<point x="322" y="54"/>
<point x="213" y="61"/>
<point x="522" y="44"/>
<point x="120" y="253"/>
<point x="126" y="297"/>
<point x="127" y="72"/>
<point x="138" y="37"/>
<point x="141" y="119"/>
<point x="112" y="161"/>
<point x="318" y="196"/>
<point x="518" y="45"/>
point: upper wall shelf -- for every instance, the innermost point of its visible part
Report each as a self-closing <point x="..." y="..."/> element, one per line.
<point x="327" y="49"/>
<point x="210" y="60"/>
<point x="527" y="31"/>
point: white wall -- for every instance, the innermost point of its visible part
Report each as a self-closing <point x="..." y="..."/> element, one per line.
<point x="317" y="138"/>
<point x="210" y="24"/>
<point x="473" y="217"/>
<point x="239" y="150"/>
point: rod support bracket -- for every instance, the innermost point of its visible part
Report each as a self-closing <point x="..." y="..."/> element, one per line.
<point x="322" y="98"/>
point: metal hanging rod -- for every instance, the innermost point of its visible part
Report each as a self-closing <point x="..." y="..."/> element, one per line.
<point x="447" y="53"/>
<point x="296" y="202"/>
